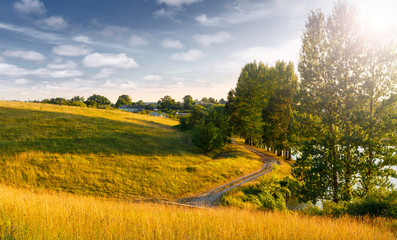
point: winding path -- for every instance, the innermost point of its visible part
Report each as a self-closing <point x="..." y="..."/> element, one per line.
<point x="212" y="198"/>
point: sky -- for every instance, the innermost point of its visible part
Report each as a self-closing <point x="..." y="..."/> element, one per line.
<point x="149" y="48"/>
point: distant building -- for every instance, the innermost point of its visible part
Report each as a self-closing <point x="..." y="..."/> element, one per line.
<point x="222" y="102"/>
<point x="156" y="114"/>
<point x="132" y="108"/>
<point x="181" y="114"/>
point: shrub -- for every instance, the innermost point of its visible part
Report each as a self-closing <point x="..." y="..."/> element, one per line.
<point x="376" y="204"/>
<point x="207" y="137"/>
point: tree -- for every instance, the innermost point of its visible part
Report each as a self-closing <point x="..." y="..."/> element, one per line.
<point x="123" y="100"/>
<point x="334" y="99"/>
<point x="98" y="99"/>
<point x="140" y="103"/>
<point x="166" y="103"/>
<point x="325" y="96"/>
<point x="187" y="102"/>
<point x="77" y="99"/>
<point x="278" y="112"/>
<point x="210" y="127"/>
<point x="207" y="137"/>
<point x="205" y="100"/>
<point x="59" y="101"/>
<point x="378" y="114"/>
<point x="250" y="97"/>
<point x="212" y="100"/>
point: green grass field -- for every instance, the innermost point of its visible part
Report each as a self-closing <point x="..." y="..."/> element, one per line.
<point x="108" y="153"/>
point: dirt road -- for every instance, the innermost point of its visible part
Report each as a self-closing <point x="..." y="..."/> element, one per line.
<point x="212" y="198"/>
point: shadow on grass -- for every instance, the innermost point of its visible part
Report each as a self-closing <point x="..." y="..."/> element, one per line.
<point x="28" y="130"/>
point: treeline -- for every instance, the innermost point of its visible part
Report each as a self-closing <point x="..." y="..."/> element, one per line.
<point x="166" y="104"/>
<point x="94" y="101"/>
<point x="340" y="117"/>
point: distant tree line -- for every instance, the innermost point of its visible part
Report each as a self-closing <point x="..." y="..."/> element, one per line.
<point x="166" y="104"/>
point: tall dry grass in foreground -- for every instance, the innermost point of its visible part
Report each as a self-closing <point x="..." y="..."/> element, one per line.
<point x="28" y="215"/>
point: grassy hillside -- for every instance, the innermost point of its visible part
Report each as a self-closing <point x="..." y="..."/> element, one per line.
<point x="107" y="153"/>
<point x="36" y="215"/>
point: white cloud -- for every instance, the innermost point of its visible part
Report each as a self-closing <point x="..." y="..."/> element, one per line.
<point x="1" y="59"/>
<point x="114" y="32"/>
<point x="152" y="78"/>
<point x="54" y="22"/>
<point x="129" y="85"/>
<point x="82" y="39"/>
<point x="110" y="84"/>
<point x="109" y="60"/>
<point x="169" y="13"/>
<point x="60" y="73"/>
<point x="42" y="36"/>
<point x="204" y="20"/>
<point x="35" y="7"/>
<point x="21" y="81"/>
<point x="244" y="11"/>
<point x="59" y="63"/>
<point x="12" y="70"/>
<point x="104" y="73"/>
<point x="136" y="40"/>
<point x="171" y="44"/>
<point x="207" y="40"/>
<point x="72" y="50"/>
<point x="288" y="51"/>
<point x="27" y="55"/>
<point x="189" y="56"/>
<point x="177" y="3"/>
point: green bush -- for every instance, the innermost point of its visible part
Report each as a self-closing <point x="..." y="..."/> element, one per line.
<point x="376" y="204"/>
<point x="207" y="137"/>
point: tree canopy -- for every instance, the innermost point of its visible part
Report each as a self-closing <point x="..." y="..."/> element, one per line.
<point x="347" y="107"/>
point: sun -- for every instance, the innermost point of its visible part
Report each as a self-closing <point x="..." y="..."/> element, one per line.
<point x="379" y="15"/>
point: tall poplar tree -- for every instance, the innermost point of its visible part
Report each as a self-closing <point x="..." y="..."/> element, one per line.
<point x="278" y="112"/>
<point x="378" y="116"/>
<point x="251" y="96"/>
<point x="343" y="107"/>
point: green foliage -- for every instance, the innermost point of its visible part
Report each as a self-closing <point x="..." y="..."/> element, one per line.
<point x="277" y="113"/>
<point x="207" y="137"/>
<point x="210" y="127"/>
<point x="261" y="105"/>
<point x="97" y="101"/>
<point x="376" y="204"/>
<point x="78" y="104"/>
<point x="167" y="104"/>
<point x="91" y="104"/>
<point x="187" y="102"/>
<point x="123" y="100"/>
<point x="251" y="95"/>
<point x="346" y="113"/>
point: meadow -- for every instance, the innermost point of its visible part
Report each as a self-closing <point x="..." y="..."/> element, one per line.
<point x="108" y="153"/>
<point x="28" y="214"/>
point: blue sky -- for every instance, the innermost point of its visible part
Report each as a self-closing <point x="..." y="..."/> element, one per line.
<point x="146" y="48"/>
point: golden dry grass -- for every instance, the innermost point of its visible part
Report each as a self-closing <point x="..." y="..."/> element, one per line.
<point x="38" y="215"/>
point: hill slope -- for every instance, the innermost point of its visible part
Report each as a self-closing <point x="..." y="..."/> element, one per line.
<point x="107" y="153"/>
